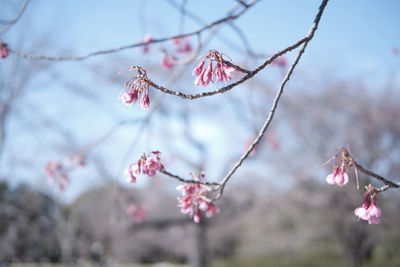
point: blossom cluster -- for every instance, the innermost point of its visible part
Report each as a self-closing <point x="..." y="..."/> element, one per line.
<point x="58" y="173"/>
<point x="221" y="71"/>
<point x="194" y="199"/>
<point x="138" y="85"/>
<point x="136" y="212"/>
<point x="3" y="50"/>
<point x="339" y="175"/>
<point x="147" y="165"/>
<point x="168" y="61"/>
<point x="368" y="210"/>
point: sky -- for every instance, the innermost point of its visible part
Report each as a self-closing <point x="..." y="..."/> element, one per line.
<point x="354" y="40"/>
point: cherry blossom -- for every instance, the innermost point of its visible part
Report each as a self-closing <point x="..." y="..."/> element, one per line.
<point x="138" y="85"/>
<point x="338" y="175"/>
<point x="280" y="62"/>
<point x="373" y="213"/>
<point x="3" y="50"/>
<point x="147" y="165"/>
<point x="57" y="174"/>
<point x="147" y="39"/>
<point x="168" y="61"/>
<point x="368" y="210"/>
<point x="362" y="212"/>
<point x="222" y="71"/>
<point x="194" y="199"/>
<point x="136" y="212"/>
<point x="182" y="45"/>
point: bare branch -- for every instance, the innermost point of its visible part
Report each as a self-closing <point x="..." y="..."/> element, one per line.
<point x="276" y="100"/>
<point x="9" y="23"/>
<point x="186" y="180"/>
<point x="118" y="49"/>
<point x="388" y="184"/>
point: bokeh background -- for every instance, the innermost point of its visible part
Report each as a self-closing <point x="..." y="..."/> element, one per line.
<point x="276" y="211"/>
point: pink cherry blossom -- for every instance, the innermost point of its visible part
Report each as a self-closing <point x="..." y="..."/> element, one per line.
<point x="194" y="199"/>
<point x="57" y="174"/>
<point x="147" y="165"/>
<point x="145" y="101"/>
<point x="338" y="177"/>
<point x="182" y="45"/>
<point x="168" y="62"/>
<point x="209" y="208"/>
<point x="373" y="213"/>
<point x="222" y="71"/>
<point x="207" y="75"/>
<point x="3" y="50"/>
<point x="341" y="178"/>
<point x="196" y="217"/>
<point x="147" y="39"/>
<point x="136" y="212"/>
<point x="138" y="85"/>
<point x="361" y="212"/>
<point x="280" y="61"/>
<point x="198" y="69"/>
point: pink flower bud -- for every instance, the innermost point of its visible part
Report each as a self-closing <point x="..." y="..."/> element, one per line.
<point x="145" y="101"/>
<point x="3" y="50"/>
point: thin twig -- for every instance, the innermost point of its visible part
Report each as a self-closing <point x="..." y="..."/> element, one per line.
<point x="13" y="21"/>
<point x="186" y="180"/>
<point x="275" y="103"/>
<point x="118" y="49"/>
<point x="388" y="184"/>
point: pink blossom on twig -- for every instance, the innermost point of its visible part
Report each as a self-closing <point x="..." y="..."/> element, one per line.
<point x="136" y="86"/>
<point x="222" y="71"/>
<point x="194" y="199"/>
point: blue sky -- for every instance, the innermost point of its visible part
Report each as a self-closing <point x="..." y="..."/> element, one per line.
<point x="354" y="39"/>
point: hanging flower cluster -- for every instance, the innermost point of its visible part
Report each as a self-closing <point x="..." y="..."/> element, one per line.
<point x="339" y="175"/>
<point x="58" y="173"/>
<point x="368" y="210"/>
<point x="148" y="165"/>
<point x="194" y="199"/>
<point x="3" y="50"/>
<point x="136" y="212"/>
<point x="221" y="71"/>
<point x="182" y="45"/>
<point x="138" y="85"/>
<point x="168" y="61"/>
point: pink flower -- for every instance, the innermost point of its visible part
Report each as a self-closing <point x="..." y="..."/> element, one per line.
<point x="209" y="208"/>
<point x="147" y="39"/>
<point x="207" y="75"/>
<point x="57" y="174"/>
<point x="361" y="212"/>
<point x="168" y="62"/>
<point x="196" y="217"/>
<point x="148" y="165"/>
<point x="198" y="69"/>
<point x="136" y="212"/>
<point x="3" y="50"/>
<point x="52" y="167"/>
<point x="280" y="61"/>
<point x="145" y="101"/>
<point x="131" y="177"/>
<point x="338" y="177"/>
<point x="194" y="199"/>
<point x="222" y="71"/>
<point x="373" y="213"/>
<point x="138" y="85"/>
<point x="182" y="45"/>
